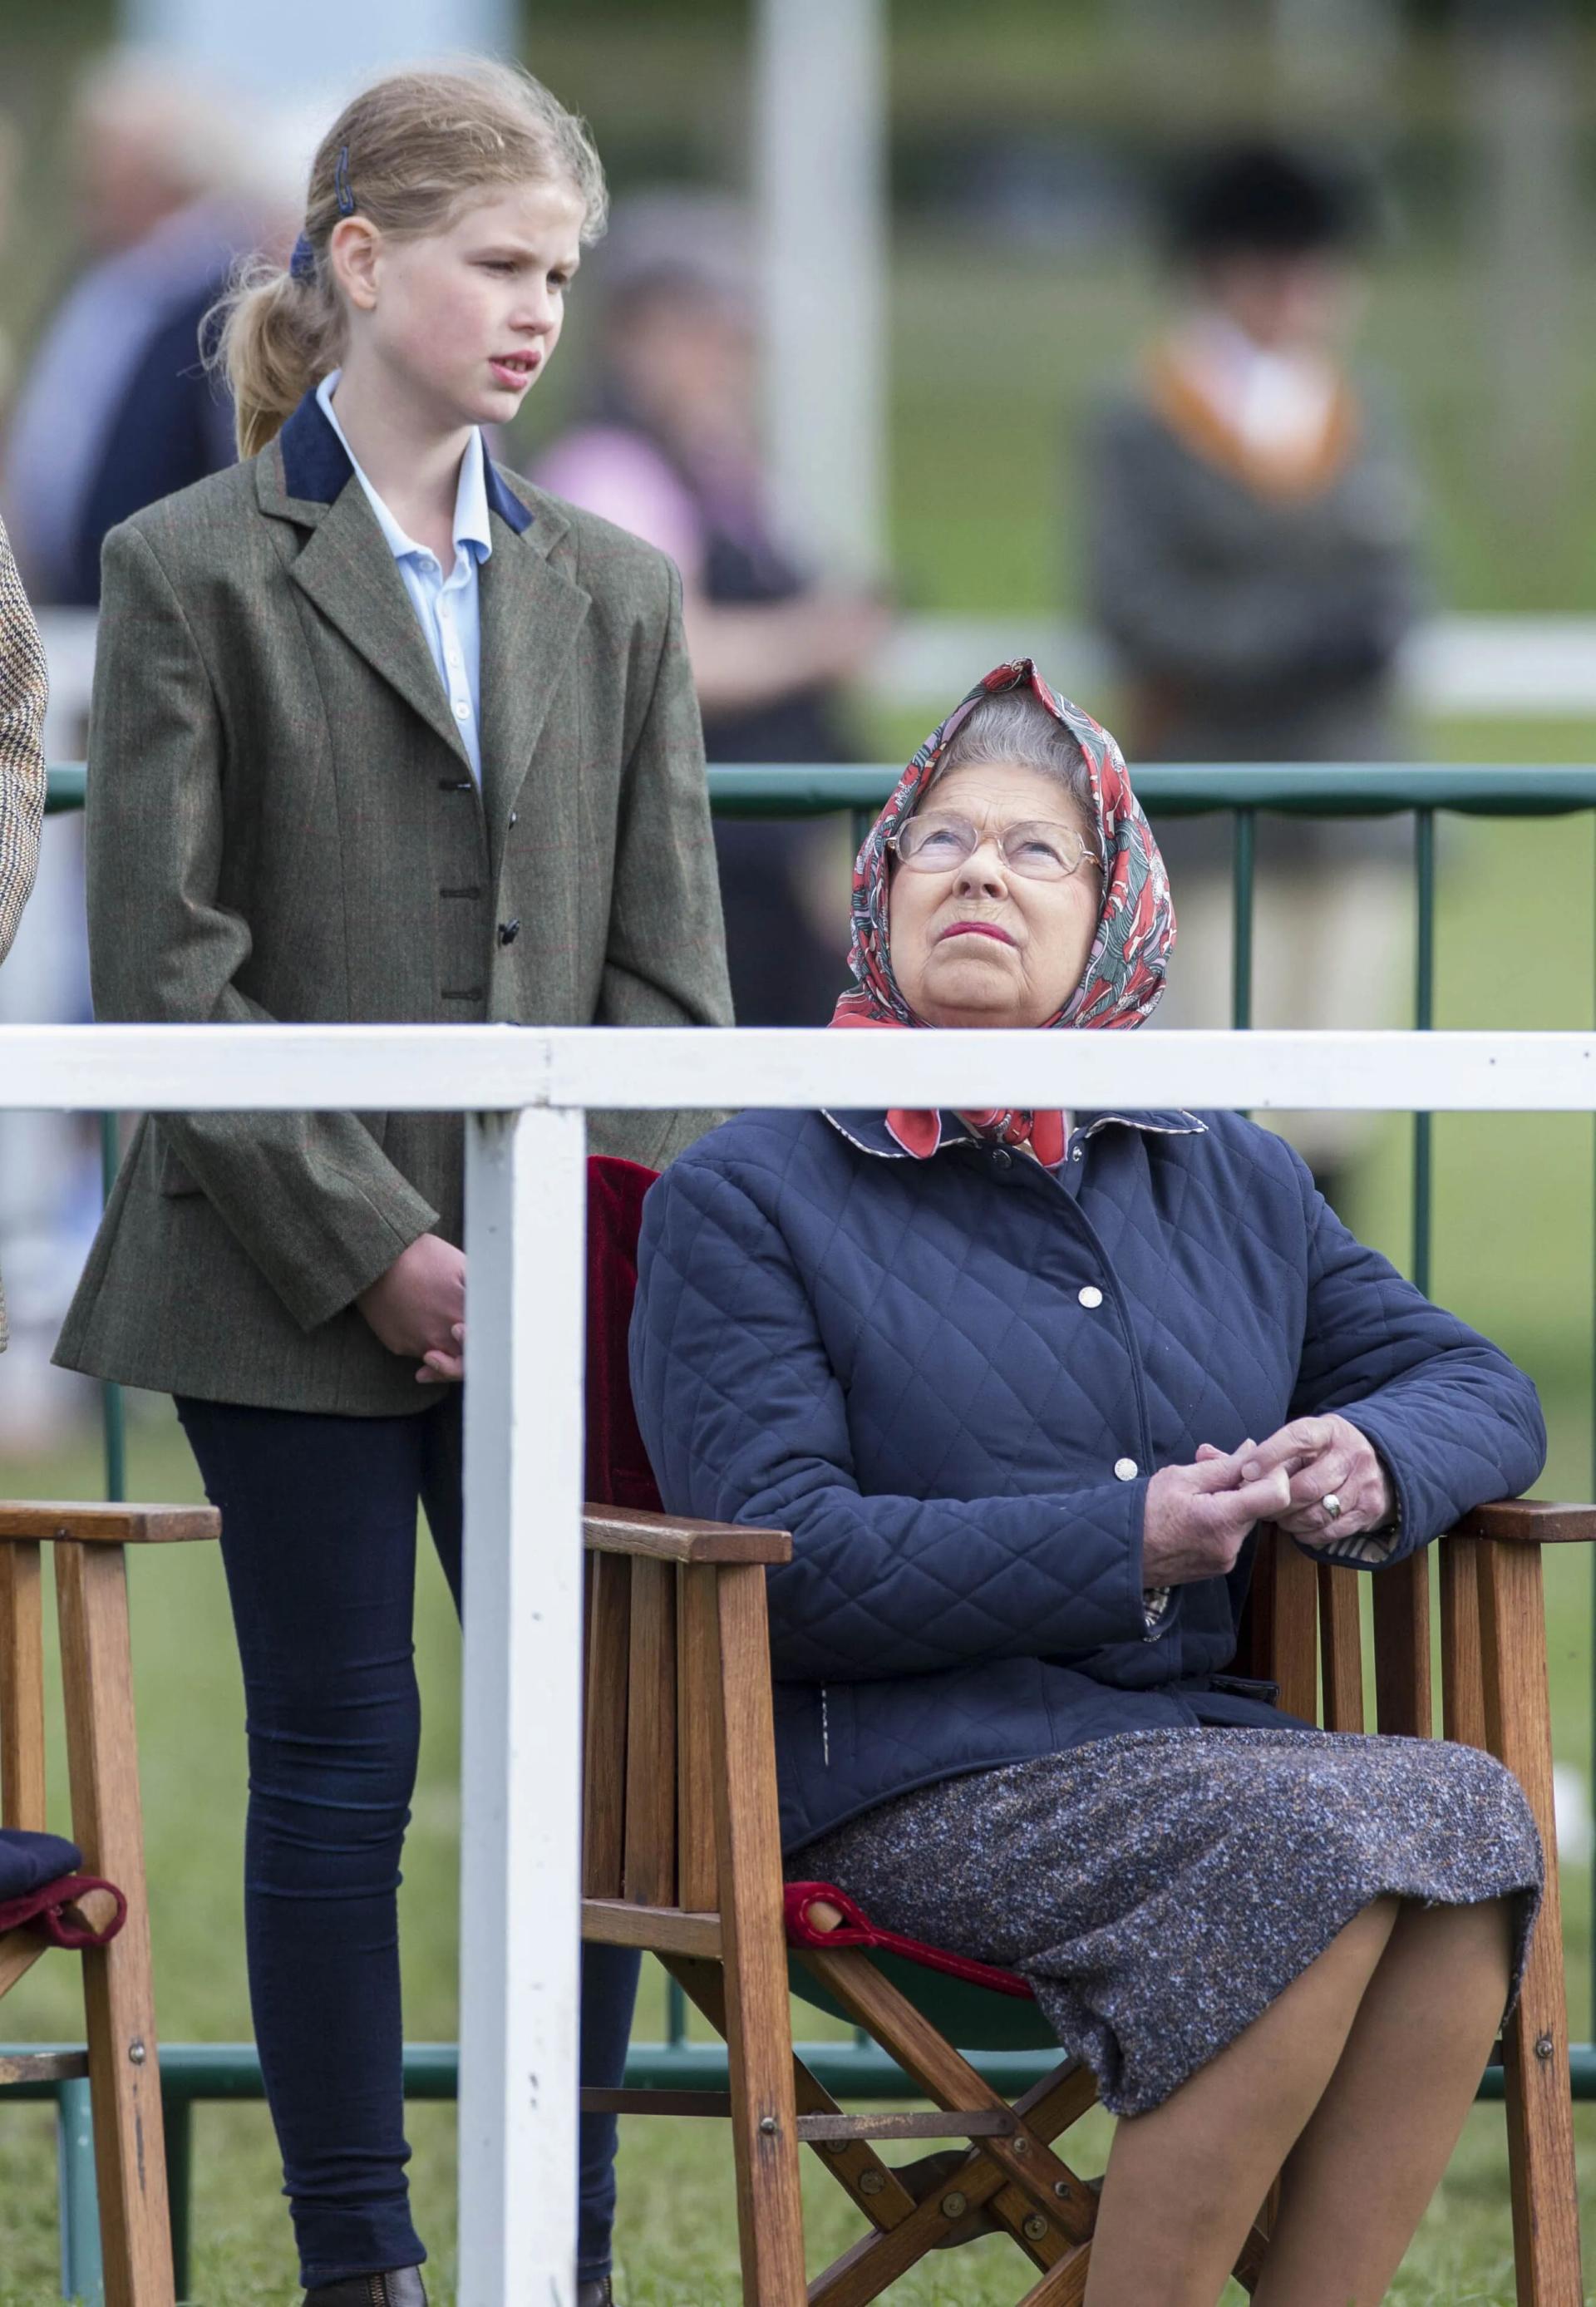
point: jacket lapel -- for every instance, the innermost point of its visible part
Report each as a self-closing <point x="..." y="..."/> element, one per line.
<point x="345" y="566"/>
<point x="349" y="572"/>
<point x="531" y="615"/>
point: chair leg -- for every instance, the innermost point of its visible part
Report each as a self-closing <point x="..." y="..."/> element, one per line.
<point x="97" y="1675"/>
<point x="1535" y="2041"/>
<point x="758" y="2014"/>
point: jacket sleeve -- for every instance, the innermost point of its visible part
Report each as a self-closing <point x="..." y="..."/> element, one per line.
<point x="1175" y="615"/>
<point x="745" y="1422"/>
<point x="312" y="1197"/>
<point x="1455" y="1422"/>
<point x="24" y="690"/>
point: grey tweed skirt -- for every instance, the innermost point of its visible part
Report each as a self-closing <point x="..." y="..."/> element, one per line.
<point x="1160" y="1889"/>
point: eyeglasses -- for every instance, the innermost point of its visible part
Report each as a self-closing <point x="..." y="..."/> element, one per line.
<point x="1033" y="849"/>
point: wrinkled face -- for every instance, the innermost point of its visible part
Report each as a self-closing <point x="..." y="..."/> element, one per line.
<point x="462" y="323"/>
<point x="976" y="943"/>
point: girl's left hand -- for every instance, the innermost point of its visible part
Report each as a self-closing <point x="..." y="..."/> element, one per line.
<point x="441" y="1368"/>
<point x="1327" y="1458"/>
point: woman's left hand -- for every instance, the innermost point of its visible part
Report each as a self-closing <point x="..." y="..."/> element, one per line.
<point x="1328" y="1460"/>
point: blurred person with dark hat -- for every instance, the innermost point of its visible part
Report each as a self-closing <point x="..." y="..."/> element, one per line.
<point x="668" y="449"/>
<point x="1254" y="562"/>
<point x="23" y="692"/>
<point x="115" y="409"/>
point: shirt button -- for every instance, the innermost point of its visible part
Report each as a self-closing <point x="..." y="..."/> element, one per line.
<point x="462" y="711"/>
<point x="1091" y="1295"/>
<point x="1125" y="1470"/>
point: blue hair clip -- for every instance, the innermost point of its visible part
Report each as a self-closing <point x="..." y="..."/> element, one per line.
<point x="301" y="264"/>
<point x="340" y="182"/>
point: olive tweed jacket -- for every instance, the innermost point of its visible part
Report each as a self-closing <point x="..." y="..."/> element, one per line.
<point x="24" y="690"/>
<point x="283" y="824"/>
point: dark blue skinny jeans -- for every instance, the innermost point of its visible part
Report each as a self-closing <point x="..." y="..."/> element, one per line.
<point x="319" y="1539"/>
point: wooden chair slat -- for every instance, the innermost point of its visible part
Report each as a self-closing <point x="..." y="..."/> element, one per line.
<point x="669" y="1538"/>
<point x="1535" y="2039"/>
<point x="1296" y="1665"/>
<point x="1402" y="1698"/>
<point x="604" y="1743"/>
<point x="1340" y="1642"/>
<point x="758" y="2021"/>
<point x="1532" y="1522"/>
<point x="650" y="1873"/>
<point x="662" y="1930"/>
<point x="43" y="2067"/>
<point x="1463" y="1662"/>
<point x="108" y="1526"/>
<point x="697" y="1676"/>
<point x="19" y="1951"/>
<point x="125" y="2076"/>
<point x="21" y="1688"/>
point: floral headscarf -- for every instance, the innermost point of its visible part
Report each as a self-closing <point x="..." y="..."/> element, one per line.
<point x="1125" y="971"/>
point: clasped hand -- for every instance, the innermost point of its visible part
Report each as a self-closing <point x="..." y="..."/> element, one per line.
<point x="1197" y="1517"/>
<point x="418" y="1309"/>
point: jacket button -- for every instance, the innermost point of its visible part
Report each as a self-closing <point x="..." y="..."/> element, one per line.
<point x="509" y="931"/>
<point x="1091" y="1295"/>
<point x="1001" y="1159"/>
<point x="1125" y="1470"/>
<point x="512" y="817"/>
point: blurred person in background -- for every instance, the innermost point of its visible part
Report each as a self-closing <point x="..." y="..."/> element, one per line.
<point x="1253" y="543"/>
<point x="669" y="450"/>
<point x="23" y="692"/>
<point x="116" y="409"/>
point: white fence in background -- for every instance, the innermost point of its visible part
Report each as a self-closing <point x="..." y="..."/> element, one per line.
<point x="526" y="1093"/>
<point x="1494" y="667"/>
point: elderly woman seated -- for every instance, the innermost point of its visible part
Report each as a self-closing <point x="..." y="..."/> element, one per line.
<point x="1022" y="1387"/>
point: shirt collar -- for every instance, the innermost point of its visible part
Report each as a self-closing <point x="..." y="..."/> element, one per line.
<point x="869" y="1131"/>
<point x="470" y="497"/>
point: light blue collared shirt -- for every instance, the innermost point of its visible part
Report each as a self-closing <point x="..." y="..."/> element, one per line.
<point x="448" y="609"/>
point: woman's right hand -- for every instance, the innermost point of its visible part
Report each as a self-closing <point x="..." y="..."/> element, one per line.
<point x="416" y="1306"/>
<point x="1197" y="1518"/>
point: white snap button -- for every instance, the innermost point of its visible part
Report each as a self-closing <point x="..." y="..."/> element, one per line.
<point x="1091" y="1295"/>
<point x="1125" y="1470"/>
<point x="1077" y="1154"/>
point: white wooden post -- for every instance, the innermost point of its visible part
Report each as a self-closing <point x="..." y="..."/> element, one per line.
<point x="520" y="1768"/>
<point x="820" y="125"/>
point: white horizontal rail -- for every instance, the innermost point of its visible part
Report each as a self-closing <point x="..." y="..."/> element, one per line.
<point x="503" y="1068"/>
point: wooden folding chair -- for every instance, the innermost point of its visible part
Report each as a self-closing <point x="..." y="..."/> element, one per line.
<point x="102" y="1762"/>
<point x="681" y="1857"/>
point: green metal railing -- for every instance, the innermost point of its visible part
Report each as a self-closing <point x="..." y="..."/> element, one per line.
<point x="193" y="2072"/>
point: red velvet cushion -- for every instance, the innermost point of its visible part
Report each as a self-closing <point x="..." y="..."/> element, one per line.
<point x="857" y="1930"/>
<point x="43" y="1910"/>
<point x="618" y="1470"/>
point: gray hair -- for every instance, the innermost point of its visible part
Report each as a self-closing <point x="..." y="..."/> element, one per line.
<point x="1014" y="728"/>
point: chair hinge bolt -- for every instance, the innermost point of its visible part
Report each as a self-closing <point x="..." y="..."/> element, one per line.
<point x="768" y="2125"/>
<point x="136" y="2052"/>
<point x="1034" y="2228"/>
<point x="870" y="2182"/>
<point x="954" y="2205"/>
<point x="1022" y="2145"/>
<point x="1544" y="2046"/>
<point x="1061" y="2187"/>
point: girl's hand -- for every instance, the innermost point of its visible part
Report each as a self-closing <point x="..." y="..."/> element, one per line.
<point x="418" y="1307"/>
<point x="1324" y="1458"/>
<point x="1197" y="1518"/>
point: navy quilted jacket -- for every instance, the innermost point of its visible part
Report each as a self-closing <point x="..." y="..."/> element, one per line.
<point x="951" y="1381"/>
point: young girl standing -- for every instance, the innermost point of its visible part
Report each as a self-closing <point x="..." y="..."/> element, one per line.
<point x="379" y="732"/>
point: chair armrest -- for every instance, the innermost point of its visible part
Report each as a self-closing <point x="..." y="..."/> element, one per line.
<point x="1529" y="1521"/>
<point x="37" y="1519"/>
<point x="666" y="1538"/>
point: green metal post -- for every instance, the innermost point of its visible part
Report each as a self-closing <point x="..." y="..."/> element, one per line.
<point x="1424" y="1018"/>
<point x="1243" y="892"/>
<point x="113" y="1410"/>
<point x="82" y="2273"/>
<point x="177" y="2120"/>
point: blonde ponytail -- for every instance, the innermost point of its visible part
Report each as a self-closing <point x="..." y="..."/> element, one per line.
<point x="408" y="153"/>
<point x="278" y="338"/>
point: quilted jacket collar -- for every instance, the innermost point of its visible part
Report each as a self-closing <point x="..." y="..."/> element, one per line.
<point x="870" y="1132"/>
